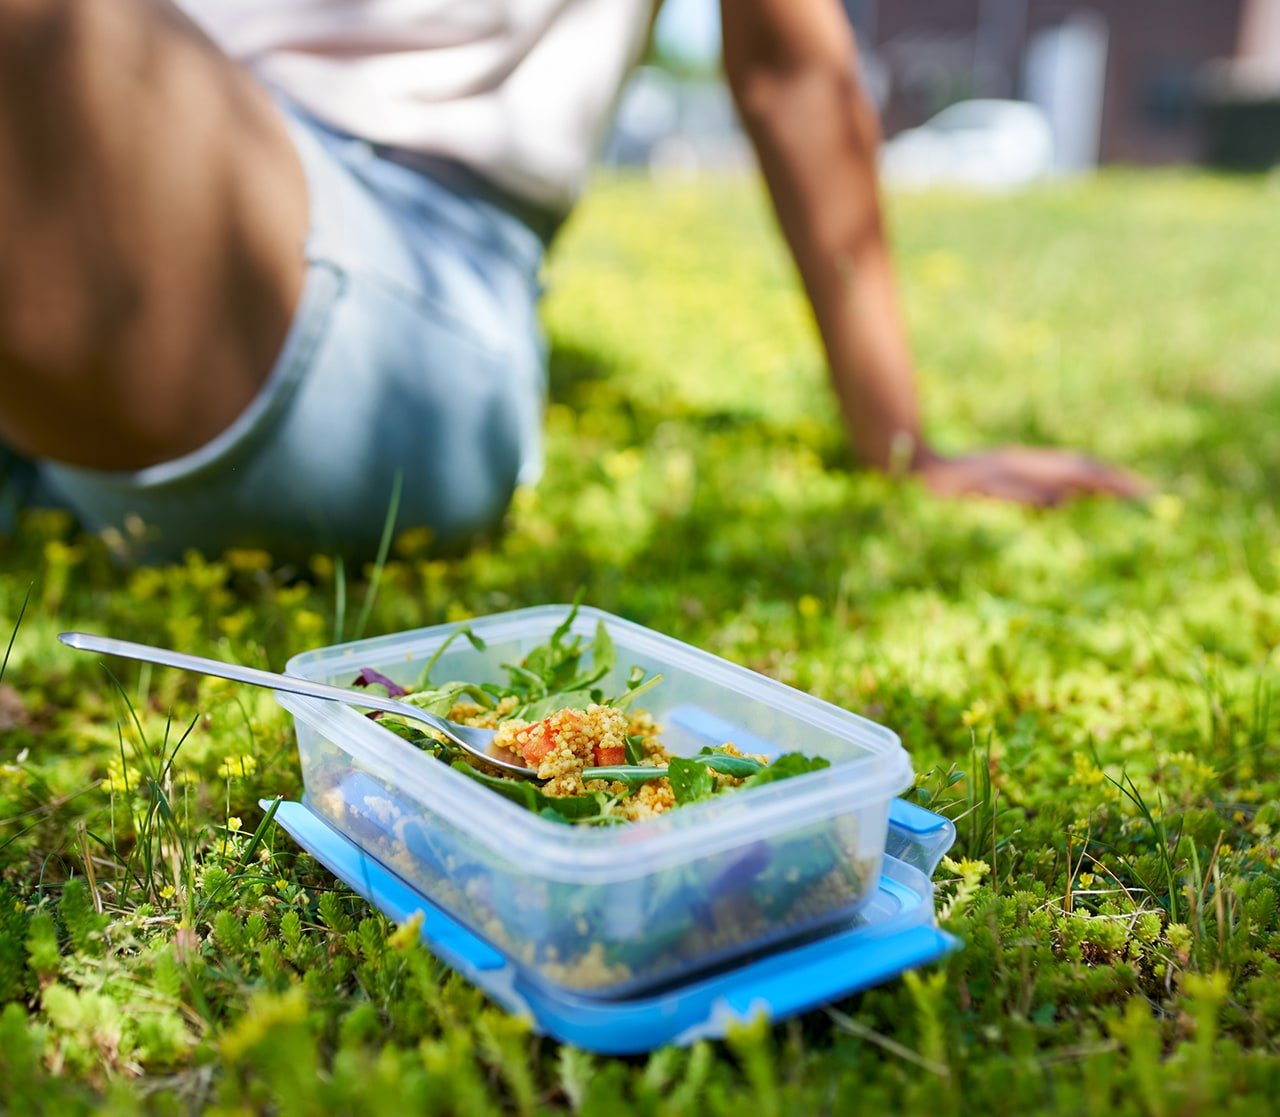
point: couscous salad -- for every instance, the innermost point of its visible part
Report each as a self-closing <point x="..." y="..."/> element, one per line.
<point x="598" y="759"/>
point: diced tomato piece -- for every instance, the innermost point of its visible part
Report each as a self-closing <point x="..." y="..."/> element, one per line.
<point x="542" y="742"/>
<point x="606" y="757"/>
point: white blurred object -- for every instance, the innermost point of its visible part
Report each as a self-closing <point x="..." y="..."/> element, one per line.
<point x="675" y="126"/>
<point x="1066" y="75"/>
<point x="983" y="144"/>
<point x="648" y="109"/>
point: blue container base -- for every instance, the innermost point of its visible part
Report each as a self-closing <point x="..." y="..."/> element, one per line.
<point x="893" y="933"/>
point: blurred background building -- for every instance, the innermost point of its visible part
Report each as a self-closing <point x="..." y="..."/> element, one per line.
<point x="1122" y="81"/>
<point x="1144" y="82"/>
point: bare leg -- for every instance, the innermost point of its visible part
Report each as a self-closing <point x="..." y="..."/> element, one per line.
<point x="152" y="216"/>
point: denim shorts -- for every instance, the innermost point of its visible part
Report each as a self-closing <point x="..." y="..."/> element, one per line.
<point x="414" y="365"/>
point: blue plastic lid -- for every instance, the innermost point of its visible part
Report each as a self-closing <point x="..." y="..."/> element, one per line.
<point x="894" y="932"/>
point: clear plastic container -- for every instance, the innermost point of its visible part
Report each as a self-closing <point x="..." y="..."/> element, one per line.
<point x="611" y="911"/>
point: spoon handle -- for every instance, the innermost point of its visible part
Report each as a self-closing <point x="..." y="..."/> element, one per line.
<point x="87" y="641"/>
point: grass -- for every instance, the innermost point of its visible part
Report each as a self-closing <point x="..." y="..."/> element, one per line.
<point x="1087" y="691"/>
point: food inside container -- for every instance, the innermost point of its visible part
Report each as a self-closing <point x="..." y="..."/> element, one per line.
<point x="573" y="752"/>
<point x="605" y="909"/>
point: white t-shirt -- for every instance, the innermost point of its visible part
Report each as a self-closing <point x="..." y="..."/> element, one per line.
<point x="520" y="91"/>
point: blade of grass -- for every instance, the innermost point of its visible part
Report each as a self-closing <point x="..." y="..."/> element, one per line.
<point x="14" y="634"/>
<point x="339" y="599"/>
<point x="143" y="751"/>
<point x="1159" y="831"/>
<point x="261" y="830"/>
<point x="384" y="547"/>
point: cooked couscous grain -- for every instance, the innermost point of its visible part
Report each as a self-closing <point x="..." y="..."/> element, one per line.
<point x="568" y="741"/>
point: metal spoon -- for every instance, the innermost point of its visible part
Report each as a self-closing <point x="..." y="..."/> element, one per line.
<point x="478" y="742"/>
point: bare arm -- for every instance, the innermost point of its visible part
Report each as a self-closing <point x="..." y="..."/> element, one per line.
<point x="791" y="65"/>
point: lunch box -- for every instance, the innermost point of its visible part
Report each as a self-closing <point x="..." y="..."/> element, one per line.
<point x="604" y="917"/>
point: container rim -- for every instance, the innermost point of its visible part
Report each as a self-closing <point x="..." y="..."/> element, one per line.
<point x="552" y="849"/>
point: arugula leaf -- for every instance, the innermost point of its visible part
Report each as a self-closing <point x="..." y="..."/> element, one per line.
<point x="424" y="680"/>
<point x="443" y="699"/>
<point x="737" y="766"/>
<point x="788" y="765"/>
<point x="562" y="700"/>
<point x="602" y="659"/>
<point x="555" y="661"/>
<point x="532" y="678"/>
<point x="634" y="749"/>
<point x="568" y="808"/>
<point x="634" y="776"/>
<point x="634" y="690"/>
<point x="562" y="630"/>
<point x="603" y="655"/>
<point x="441" y="750"/>
<point x="692" y="782"/>
<point x="411" y="733"/>
<point x="554" y="668"/>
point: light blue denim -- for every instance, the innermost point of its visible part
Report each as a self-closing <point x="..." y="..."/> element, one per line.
<point x="415" y="353"/>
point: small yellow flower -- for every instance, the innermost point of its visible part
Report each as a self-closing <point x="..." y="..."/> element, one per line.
<point x="941" y="270"/>
<point x="237" y="767"/>
<point x="1167" y="508"/>
<point x="622" y="464"/>
<point x="145" y="582"/>
<point x="524" y="499"/>
<point x="233" y="624"/>
<point x="166" y="893"/>
<point x="233" y="824"/>
<point x="976" y="714"/>
<point x="49" y="521"/>
<point x="247" y="560"/>
<point x="281" y="884"/>
<point x="308" y="622"/>
<point x="415" y="541"/>
<point x="58" y="553"/>
<point x="322" y="567"/>
<point x="290" y="596"/>
<point x="1084" y="772"/>
<point x="117" y="779"/>
<point x="809" y="606"/>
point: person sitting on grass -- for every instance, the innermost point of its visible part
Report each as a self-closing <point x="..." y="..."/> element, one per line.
<point x="263" y="259"/>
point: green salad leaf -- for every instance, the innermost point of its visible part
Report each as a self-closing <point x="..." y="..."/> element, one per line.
<point x="788" y="765"/>
<point x="637" y="685"/>
<point x="635" y="750"/>
<point x="424" y="680"/>
<point x="441" y="700"/>
<point x="592" y="807"/>
<point x="692" y="782"/>
<point x="728" y="763"/>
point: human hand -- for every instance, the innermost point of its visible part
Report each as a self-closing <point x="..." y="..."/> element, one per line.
<point x="1026" y="475"/>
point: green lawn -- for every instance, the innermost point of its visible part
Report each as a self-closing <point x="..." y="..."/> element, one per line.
<point x="1088" y="691"/>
